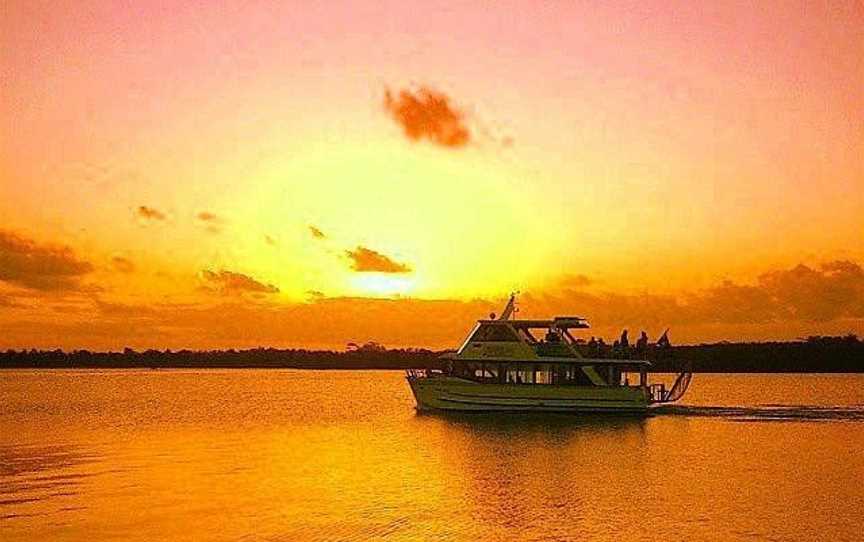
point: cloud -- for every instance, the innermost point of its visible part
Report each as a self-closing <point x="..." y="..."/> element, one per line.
<point x="122" y="264"/>
<point x="8" y="302"/>
<point x="211" y="221"/>
<point x="428" y="114"/>
<point x="575" y="281"/>
<point x="229" y="282"/>
<point x="834" y="291"/>
<point x="206" y="216"/>
<point x="24" y="262"/>
<point x="149" y="213"/>
<point x="367" y="260"/>
<point x="316" y="233"/>
<point x="125" y="311"/>
<point x="781" y="304"/>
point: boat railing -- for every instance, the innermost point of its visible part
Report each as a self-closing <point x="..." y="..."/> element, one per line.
<point x="679" y="387"/>
<point x="659" y="394"/>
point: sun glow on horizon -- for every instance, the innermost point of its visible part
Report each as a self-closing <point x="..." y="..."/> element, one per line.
<point x="383" y="284"/>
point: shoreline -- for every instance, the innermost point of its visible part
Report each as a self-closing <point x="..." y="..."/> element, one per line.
<point x="814" y="355"/>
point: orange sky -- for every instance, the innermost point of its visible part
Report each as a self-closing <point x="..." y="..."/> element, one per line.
<point x="180" y="175"/>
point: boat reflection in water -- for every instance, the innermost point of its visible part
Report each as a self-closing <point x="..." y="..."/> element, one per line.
<point x="503" y="366"/>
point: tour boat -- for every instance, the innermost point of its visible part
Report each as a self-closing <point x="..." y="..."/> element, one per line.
<point x="508" y="364"/>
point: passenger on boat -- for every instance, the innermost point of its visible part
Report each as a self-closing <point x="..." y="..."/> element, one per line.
<point x="642" y="343"/>
<point x="552" y="336"/>
<point x="593" y="348"/>
<point x="601" y="347"/>
<point x="624" y="342"/>
<point x="624" y="345"/>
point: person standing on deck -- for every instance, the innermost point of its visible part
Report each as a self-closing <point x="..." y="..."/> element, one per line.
<point x="663" y="341"/>
<point x="642" y="343"/>
<point x="624" y="342"/>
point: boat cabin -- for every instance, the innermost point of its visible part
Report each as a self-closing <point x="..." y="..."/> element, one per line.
<point x="538" y="352"/>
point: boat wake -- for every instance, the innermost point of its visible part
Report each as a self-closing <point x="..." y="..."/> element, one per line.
<point x="853" y="413"/>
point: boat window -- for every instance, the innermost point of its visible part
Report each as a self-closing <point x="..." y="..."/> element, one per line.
<point x="489" y="372"/>
<point x="544" y="375"/>
<point x="573" y="375"/>
<point x="520" y="374"/>
<point x="481" y="372"/>
<point x="494" y="333"/>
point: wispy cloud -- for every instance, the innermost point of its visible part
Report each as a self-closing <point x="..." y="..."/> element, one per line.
<point x="8" y="302"/>
<point x="212" y="222"/>
<point x="575" y="281"/>
<point x="229" y="282"/>
<point x="367" y="260"/>
<point x="123" y="264"/>
<point x="149" y="213"/>
<point x="317" y="233"/>
<point x="24" y="262"/>
<point x="206" y="216"/>
<point x="428" y="114"/>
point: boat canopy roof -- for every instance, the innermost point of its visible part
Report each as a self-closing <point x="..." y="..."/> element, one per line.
<point x="559" y="322"/>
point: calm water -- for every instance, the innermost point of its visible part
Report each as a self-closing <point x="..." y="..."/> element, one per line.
<point x="294" y="455"/>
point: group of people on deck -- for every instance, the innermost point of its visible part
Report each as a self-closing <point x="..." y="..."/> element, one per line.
<point x="597" y="348"/>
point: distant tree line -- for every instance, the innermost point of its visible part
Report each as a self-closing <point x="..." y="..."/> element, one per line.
<point x="368" y="356"/>
<point x="815" y="354"/>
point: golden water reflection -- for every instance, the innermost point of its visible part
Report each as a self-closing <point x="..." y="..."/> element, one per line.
<point x="286" y="455"/>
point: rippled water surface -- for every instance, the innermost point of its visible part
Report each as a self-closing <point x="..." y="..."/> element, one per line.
<point x="302" y="455"/>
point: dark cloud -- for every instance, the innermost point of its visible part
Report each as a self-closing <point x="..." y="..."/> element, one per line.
<point x="230" y="282"/>
<point x="367" y="260"/>
<point x="428" y="114"/>
<point x="316" y="233"/>
<point x="833" y="291"/>
<point x="149" y="213"/>
<point x="122" y="264"/>
<point x="23" y="262"/>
